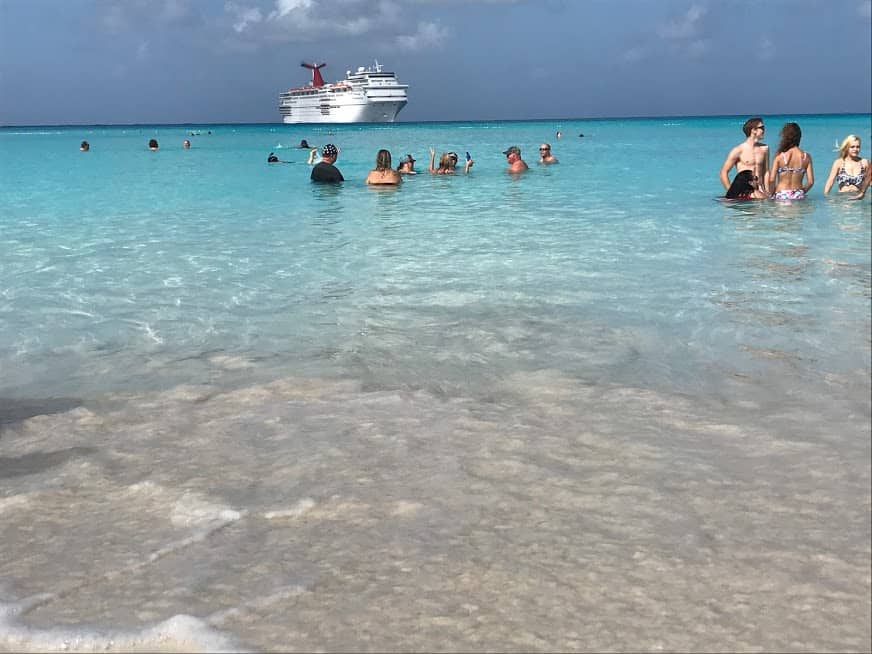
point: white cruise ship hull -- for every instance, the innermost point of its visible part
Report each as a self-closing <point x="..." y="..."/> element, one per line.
<point x="368" y="95"/>
<point x="347" y="112"/>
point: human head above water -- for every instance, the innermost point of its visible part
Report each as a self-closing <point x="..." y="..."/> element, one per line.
<point x="849" y="140"/>
<point x="742" y="185"/>
<point x="751" y="123"/>
<point x="383" y="160"/>
<point x="329" y="151"/>
<point x="85" y="146"/>
<point x="791" y="135"/>
<point x="152" y="144"/>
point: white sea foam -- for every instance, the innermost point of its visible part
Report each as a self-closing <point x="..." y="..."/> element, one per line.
<point x="180" y="633"/>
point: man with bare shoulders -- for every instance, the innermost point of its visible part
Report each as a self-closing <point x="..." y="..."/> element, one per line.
<point x="750" y="154"/>
<point x="513" y="156"/>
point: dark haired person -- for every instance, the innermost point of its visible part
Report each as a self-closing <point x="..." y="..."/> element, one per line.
<point x="745" y="186"/>
<point x="85" y="146"/>
<point x="750" y="154"/>
<point x="545" y="156"/>
<point x="407" y="166"/>
<point x="324" y="171"/>
<point x="790" y="166"/>
<point x="152" y="144"/>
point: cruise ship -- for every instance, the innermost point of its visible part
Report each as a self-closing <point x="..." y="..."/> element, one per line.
<point x="368" y="95"/>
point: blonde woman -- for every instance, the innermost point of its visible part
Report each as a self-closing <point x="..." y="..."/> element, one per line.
<point x="447" y="163"/>
<point x="383" y="172"/>
<point x="848" y="170"/>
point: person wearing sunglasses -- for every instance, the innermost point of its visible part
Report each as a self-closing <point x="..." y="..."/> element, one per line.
<point x="750" y="154"/>
<point x="545" y="156"/>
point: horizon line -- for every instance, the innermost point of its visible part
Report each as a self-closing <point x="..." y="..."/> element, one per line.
<point x="410" y="122"/>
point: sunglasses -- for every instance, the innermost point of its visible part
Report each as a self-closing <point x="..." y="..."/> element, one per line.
<point x="763" y="127"/>
<point x="544" y="149"/>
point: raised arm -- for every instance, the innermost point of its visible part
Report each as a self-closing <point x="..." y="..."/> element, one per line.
<point x="729" y="162"/>
<point x="834" y="170"/>
<point x="468" y="165"/>
<point x="432" y="168"/>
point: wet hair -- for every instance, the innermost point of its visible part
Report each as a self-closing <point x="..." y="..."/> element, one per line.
<point x="446" y="161"/>
<point x="383" y="160"/>
<point x="750" y="124"/>
<point x="152" y="143"/>
<point x="85" y="146"/>
<point x="790" y="137"/>
<point x="741" y="186"/>
<point x="849" y="139"/>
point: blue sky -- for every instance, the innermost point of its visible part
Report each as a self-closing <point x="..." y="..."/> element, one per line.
<point x="202" y="61"/>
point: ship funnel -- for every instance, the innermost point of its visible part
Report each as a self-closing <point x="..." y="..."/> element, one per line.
<point x="317" y="80"/>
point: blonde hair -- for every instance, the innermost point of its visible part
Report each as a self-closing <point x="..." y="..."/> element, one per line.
<point x="846" y="143"/>
<point x="446" y="161"/>
<point x="383" y="160"/>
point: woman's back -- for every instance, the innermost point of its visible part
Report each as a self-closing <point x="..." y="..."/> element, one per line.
<point x="791" y="167"/>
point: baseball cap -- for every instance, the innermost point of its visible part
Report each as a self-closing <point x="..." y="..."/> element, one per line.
<point x="513" y="149"/>
<point x="329" y="150"/>
<point x="410" y="157"/>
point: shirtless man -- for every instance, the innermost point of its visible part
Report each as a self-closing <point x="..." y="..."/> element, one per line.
<point x="513" y="156"/>
<point x="750" y="154"/>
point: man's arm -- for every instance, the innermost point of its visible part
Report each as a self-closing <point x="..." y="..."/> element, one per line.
<point x="729" y="162"/>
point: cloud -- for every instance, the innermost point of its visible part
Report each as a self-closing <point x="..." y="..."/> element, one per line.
<point x="428" y="35"/>
<point x="284" y="7"/>
<point x="683" y="28"/>
<point x="245" y="16"/>
<point x="865" y="9"/>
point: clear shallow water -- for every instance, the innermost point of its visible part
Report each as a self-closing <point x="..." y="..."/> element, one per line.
<point x="589" y="408"/>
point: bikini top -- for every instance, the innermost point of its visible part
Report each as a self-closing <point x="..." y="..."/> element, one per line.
<point x="844" y="179"/>
<point x="788" y="169"/>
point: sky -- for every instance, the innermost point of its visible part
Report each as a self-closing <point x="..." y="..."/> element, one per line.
<point x="225" y="61"/>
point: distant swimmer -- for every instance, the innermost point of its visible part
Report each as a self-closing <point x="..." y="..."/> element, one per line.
<point x="750" y="154"/>
<point x="545" y="156"/>
<point x="304" y="144"/>
<point x="186" y="144"/>
<point x="324" y="171"/>
<point x="513" y="156"/>
<point x="558" y="134"/>
<point x="85" y="146"/>
<point x="152" y="144"/>
<point x="272" y="158"/>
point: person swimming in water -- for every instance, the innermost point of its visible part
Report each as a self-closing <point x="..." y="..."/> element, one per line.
<point x="794" y="164"/>
<point x="750" y="154"/>
<point x="745" y="186"/>
<point x="848" y="170"/>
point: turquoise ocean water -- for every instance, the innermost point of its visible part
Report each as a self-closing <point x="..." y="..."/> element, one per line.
<point x="586" y="408"/>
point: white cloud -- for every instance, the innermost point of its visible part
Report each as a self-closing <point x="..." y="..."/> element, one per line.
<point x="245" y="16"/>
<point x="284" y="7"/>
<point x="685" y="27"/>
<point x="428" y="35"/>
